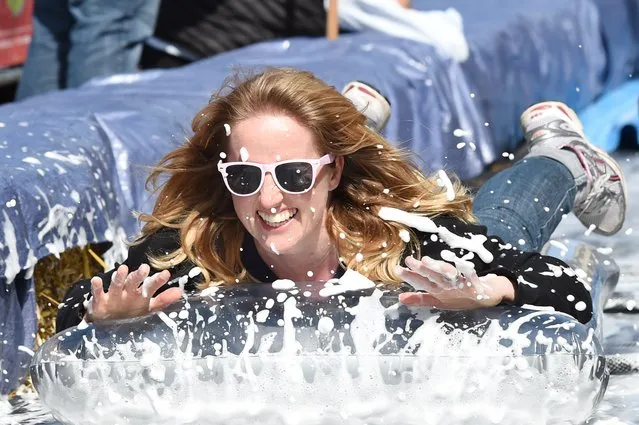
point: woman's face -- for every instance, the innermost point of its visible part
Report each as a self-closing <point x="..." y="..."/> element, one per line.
<point x="281" y="222"/>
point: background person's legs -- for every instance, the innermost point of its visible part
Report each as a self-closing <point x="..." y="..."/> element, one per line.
<point x="107" y="37"/>
<point x="524" y="204"/>
<point x="45" y="67"/>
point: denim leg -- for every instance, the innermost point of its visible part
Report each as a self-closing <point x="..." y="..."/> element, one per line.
<point x="107" y="37"/>
<point x="524" y="204"/>
<point x="45" y="67"/>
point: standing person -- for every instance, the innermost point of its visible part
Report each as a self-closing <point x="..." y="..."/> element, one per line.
<point x="77" y="40"/>
<point x="283" y="179"/>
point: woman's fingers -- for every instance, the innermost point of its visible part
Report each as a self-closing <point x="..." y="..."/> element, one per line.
<point x="416" y="280"/>
<point x="133" y="280"/>
<point x="117" y="281"/>
<point x="165" y="299"/>
<point x="443" y="275"/>
<point x="97" y="289"/>
<point x="127" y="297"/>
<point x="448" y="273"/>
<point x="151" y="284"/>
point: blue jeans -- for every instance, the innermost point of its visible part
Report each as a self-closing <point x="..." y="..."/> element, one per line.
<point x="77" y="40"/>
<point x="524" y="204"/>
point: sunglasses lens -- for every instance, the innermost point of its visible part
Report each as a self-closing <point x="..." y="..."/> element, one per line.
<point x="295" y="176"/>
<point x="243" y="179"/>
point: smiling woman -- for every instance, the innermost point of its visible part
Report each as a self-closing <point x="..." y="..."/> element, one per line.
<point x="282" y="179"/>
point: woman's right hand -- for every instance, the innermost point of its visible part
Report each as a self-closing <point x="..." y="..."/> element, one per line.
<point x="130" y="294"/>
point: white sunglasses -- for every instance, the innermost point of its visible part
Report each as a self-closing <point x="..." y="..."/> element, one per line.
<point x="294" y="176"/>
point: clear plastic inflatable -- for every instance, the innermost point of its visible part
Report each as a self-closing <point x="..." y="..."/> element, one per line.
<point x="341" y="352"/>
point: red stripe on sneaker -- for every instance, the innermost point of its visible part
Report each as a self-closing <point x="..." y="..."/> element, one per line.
<point x="541" y="107"/>
<point x="363" y="89"/>
<point x="561" y="108"/>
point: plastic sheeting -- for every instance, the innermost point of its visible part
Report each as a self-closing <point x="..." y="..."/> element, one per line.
<point x="524" y="52"/>
<point x="71" y="160"/>
<point x="605" y="119"/>
<point x="620" y="32"/>
<point x="442" y="29"/>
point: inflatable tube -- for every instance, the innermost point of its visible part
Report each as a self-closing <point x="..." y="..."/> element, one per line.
<point x="315" y="353"/>
<point x="604" y="119"/>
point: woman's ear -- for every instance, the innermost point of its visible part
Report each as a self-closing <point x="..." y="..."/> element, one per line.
<point x="336" y="175"/>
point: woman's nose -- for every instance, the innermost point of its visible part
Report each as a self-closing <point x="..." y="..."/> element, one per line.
<point x="270" y="194"/>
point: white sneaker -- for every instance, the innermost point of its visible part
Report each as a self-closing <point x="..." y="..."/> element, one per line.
<point x="370" y="102"/>
<point x="601" y="199"/>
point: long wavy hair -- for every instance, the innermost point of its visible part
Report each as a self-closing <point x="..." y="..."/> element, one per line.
<point x="193" y="199"/>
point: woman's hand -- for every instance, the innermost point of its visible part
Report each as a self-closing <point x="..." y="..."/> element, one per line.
<point x="447" y="288"/>
<point x="130" y="294"/>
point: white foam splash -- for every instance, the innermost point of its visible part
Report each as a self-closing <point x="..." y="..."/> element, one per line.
<point x="66" y="157"/>
<point x="31" y="160"/>
<point x="424" y="224"/>
<point x="244" y="155"/>
<point x="12" y="260"/>
<point x="445" y="181"/>
<point x="283" y="284"/>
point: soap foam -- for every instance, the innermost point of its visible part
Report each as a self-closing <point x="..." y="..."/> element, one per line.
<point x="351" y="373"/>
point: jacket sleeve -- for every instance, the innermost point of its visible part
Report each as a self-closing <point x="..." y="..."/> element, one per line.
<point x="538" y="279"/>
<point x="71" y="310"/>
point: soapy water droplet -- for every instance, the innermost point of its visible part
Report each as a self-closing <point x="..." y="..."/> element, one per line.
<point x="458" y="132"/>
<point x="244" y="155"/>
<point x="325" y="325"/>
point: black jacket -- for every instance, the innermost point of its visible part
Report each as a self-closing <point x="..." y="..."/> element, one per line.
<point x="539" y="280"/>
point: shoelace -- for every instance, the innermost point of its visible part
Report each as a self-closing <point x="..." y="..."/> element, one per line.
<point x="597" y="180"/>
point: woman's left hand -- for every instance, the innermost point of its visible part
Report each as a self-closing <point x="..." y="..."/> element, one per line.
<point x="447" y="288"/>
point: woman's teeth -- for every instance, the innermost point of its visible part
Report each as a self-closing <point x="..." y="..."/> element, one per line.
<point x="279" y="218"/>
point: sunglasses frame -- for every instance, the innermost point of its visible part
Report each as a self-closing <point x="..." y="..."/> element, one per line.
<point x="316" y="165"/>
